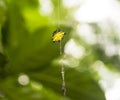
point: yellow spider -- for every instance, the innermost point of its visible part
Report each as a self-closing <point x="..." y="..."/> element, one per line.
<point x="58" y="35"/>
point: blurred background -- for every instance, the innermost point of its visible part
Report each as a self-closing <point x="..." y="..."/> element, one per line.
<point x="30" y="62"/>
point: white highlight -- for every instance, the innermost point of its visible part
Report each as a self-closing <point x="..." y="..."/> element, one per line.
<point x="86" y="32"/>
<point x="110" y="82"/>
<point x="111" y="49"/>
<point x="98" y="10"/>
<point x="70" y="62"/>
<point x="23" y="79"/>
<point x="114" y="92"/>
<point x="71" y="3"/>
<point x="73" y="49"/>
<point x="46" y="7"/>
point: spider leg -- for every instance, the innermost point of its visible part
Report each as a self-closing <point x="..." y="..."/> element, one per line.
<point x="53" y="41"/>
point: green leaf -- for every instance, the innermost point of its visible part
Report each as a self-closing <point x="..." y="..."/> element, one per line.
<point x="80" y="85"/>
<point x="27" y="38"/>
<point x="10" y="89"/>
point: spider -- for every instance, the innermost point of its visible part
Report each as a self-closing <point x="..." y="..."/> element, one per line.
<point x="58" y="35"/>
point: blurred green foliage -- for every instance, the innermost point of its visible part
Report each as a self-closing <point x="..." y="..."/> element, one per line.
<point x="26" y="48"/>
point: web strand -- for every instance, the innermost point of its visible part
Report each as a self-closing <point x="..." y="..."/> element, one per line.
<point x="62" y="66"/>
<point x="62" y="73"/>
<point x="58" y="14"/>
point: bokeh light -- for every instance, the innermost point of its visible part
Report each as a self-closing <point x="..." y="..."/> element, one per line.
<point x="23" y="79"/>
